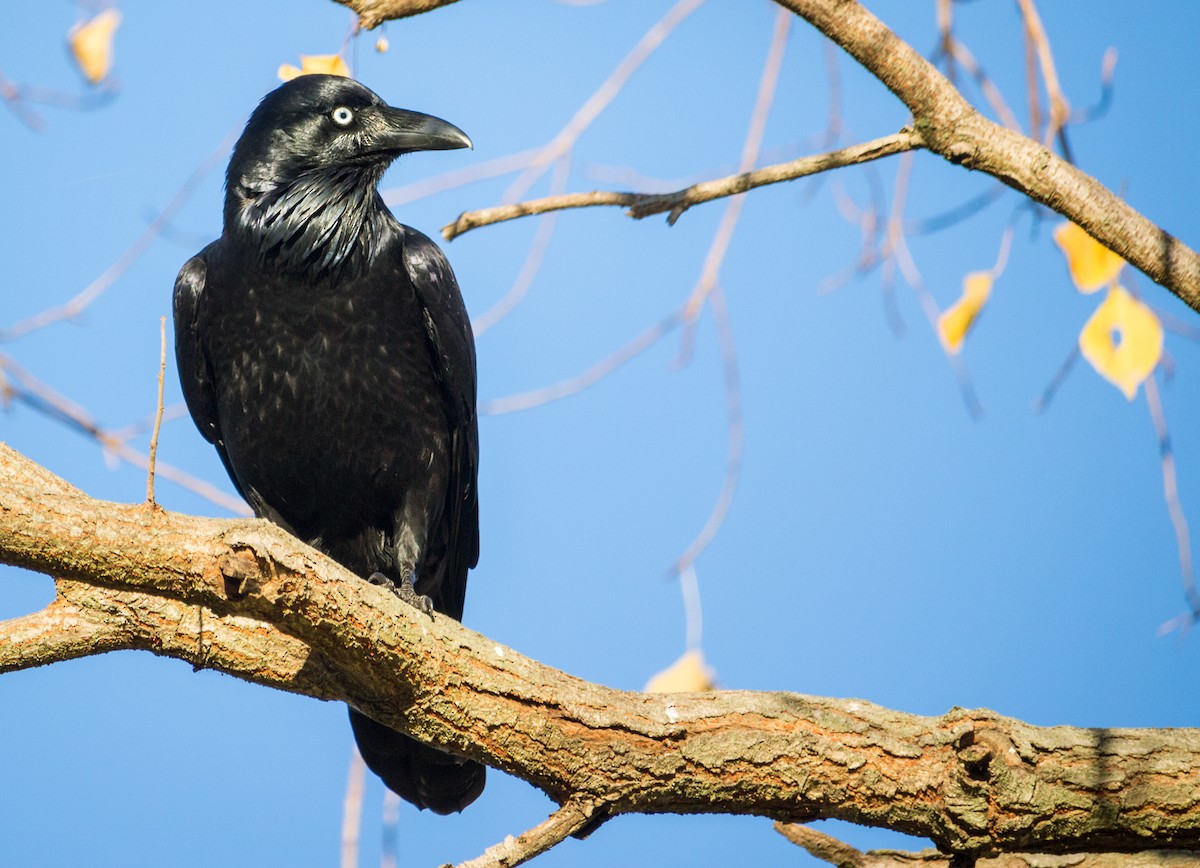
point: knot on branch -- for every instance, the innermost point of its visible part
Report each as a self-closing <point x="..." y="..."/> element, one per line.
<point x="975" y="756"/>
<point x="242" y="573"/>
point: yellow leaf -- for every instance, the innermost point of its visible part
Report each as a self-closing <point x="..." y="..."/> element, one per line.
<point x="330" y="64"/>
<point x="381" y="44"/>
<point x="1092" y="265"/>
<point x="688" y="673"/>
<point x="1123" y="340"/>
<point x="92" y="44"/>
<point x="956" y="320"/>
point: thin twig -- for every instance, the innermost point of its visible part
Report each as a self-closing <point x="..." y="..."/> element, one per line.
<point x="822" y="846"/>
<point x="597" y="372"/>
<point x="750" y="148"/>
<point x="533" y="259"/>
<point x="736" y="437"/>
<point x="897" y="246"/>
<point x="560" y="825"/>
<point x="458" y="178"/>
<point x="1108" y="67"/>
<point x="986" y="86"/>
<point x="19" y="384"/>
<point x="1171" y="494"/>
<point x="1060" y="376"/>
<point x="601" y="98"/>
<point x="389" y="834"/>
<point x="75" y="306"/>
<point x="158" y="413"/>
<point x="10" y="92"/>
<point x="674" y="204"/>
<point x="352" y="805"/>
<point x="1060" y="110"/>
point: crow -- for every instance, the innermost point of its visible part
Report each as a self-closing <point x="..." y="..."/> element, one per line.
<point x="325" y="350"/>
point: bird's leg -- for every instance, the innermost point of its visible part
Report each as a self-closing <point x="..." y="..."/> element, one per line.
<point x="405" y="590"/>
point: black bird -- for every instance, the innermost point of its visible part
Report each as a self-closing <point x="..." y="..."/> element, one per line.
<point x="325" y="350"/>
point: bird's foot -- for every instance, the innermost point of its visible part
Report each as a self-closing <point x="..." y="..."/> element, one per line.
<point x="405" y="591"/>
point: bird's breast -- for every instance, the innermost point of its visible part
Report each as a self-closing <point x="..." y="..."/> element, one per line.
<point x="330" y="392"/>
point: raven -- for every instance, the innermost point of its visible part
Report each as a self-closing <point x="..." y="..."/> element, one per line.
<point x="325" y="350"/>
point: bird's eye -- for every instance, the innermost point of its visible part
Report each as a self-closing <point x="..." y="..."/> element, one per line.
<point x="342" y="116"/>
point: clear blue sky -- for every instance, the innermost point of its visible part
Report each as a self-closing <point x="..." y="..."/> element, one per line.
<point x="882" y="544"/>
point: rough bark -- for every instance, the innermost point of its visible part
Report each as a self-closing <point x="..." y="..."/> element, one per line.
<point x="245" y="598"/>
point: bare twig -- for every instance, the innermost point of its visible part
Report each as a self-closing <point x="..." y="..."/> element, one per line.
<point x="735" y="438"/>
<point x="1108" y="66"/>
<point x="555" y="829"/>
<point x="750" y="148"/>
<point x="821" y="846"/>
<point x="533" y="259"/>
<point x="897" y="248"/>
<point x="390" y="832"/>
<point x="158" y="413"/>
<point x="1171" y="495"/>
<point x="18" y="384"/>
<point x="645" y="204"/>
<point x="352" y="808"/>
<point x="952" y="128"/>
<point x="458" y="177"/>
<point x="10" y="92"/>
<point x="601" y="98"/>
<point x="75" y="306"/>
<point x="597" y="372"/>
<point x="1060" y="377"/>
<point x="986" y="86"/>
<point x="1060" y="110"/>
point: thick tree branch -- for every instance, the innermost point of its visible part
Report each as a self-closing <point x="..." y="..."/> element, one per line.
<point x="372" y="13"/>
<point x="835" y="852"/>
<point x="245" y="598"/>
<point x="674" y="204"/>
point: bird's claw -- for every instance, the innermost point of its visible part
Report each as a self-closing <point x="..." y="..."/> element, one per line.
<point x="405" y="591"/>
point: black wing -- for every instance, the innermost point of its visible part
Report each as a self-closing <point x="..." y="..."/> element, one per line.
<point x="452" y="347"/>
<point x="195" y="374"/>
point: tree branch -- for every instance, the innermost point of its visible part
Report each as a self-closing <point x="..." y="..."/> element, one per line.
<point x="245" y="598"/>
<point x="372" y="13"/>
<point x="566" y="821"/>
<point x="953" y="129"/>
<point x="674" y="204"/>
<point x="835" y="852"/>
<point x="948" y="125"/>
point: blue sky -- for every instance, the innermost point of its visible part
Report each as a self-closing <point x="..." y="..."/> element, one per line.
<point x="882" y="544"/>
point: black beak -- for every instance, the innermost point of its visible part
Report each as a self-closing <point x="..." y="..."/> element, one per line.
<point x="412" y="131"/>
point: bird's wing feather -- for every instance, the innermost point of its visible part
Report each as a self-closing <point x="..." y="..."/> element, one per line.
<point x="195" y="374"/>
<point x="452" y="348"/>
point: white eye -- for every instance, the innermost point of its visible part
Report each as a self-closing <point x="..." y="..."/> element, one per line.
<point x="342" y="116"/>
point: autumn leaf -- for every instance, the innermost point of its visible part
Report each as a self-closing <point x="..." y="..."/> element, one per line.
<point x="1123" y="340"/>
<point x="330" y="64"/>
<point x="688" y="673"/>
<point x="1092" y="265"/>
<point x="956" y="320"/>
<point x="92" y="44"/>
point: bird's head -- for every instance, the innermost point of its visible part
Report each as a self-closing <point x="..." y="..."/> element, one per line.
<point x="315" y="123"/>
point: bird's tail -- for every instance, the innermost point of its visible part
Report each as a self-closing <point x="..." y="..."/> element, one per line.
<point x="420" y="774"/>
